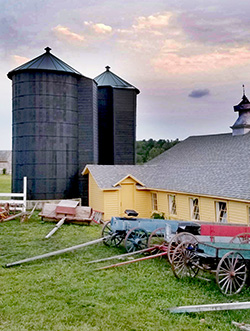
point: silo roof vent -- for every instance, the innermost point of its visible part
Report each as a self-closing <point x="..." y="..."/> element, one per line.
<point x="45" y="62"/>
<point x="108" y="78"/>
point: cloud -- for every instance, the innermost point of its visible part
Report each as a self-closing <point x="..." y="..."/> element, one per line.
<point x="20" y="59"/>
<point x="102" y="28"/>
<point x="215" y="26"/>
<point x="99" y="28"/>
<point x="199" y="93"/>
<point x="65" y="32"/>
<point x="155" y="22"/>
<point x="207" y="62"/>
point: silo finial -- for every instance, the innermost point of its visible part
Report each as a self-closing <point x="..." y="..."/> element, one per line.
<point x="107" y="68"/>
<point x="47" y="49"/>
<point x="243" y="87"/>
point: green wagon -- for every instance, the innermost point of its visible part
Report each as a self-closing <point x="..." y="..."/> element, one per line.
<point x="230" y="262"/>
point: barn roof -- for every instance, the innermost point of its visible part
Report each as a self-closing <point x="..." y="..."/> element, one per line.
<point x="213" y="165"/>
<point x="47" y="62"/>
<point x="108" y="78"/>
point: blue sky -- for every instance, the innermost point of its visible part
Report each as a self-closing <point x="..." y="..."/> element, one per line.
<point x="188" y="58"/>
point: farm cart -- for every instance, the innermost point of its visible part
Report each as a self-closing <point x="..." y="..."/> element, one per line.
<point x="230" y="263"/>
<point x="139" y="233"/>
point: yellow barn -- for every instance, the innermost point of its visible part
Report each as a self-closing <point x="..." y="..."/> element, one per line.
<point x="203" y="178"/>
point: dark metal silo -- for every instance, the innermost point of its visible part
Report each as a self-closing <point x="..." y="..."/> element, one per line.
<point x="46" y="112"/>
<point x="116" y="119"/>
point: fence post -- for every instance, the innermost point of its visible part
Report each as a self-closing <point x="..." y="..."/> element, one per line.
<point x="24" y="193"/>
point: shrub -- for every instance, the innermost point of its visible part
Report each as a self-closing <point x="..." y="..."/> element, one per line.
<point x="158" y="215"/>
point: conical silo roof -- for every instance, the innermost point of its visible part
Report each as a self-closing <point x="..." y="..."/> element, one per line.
<point x="45" y="62"/>
<point x="108" y="78"/>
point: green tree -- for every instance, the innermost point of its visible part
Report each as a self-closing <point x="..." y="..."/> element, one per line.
<point x="148" y="149"/>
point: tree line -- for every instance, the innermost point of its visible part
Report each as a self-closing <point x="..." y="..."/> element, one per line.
<point x="148" y="149"/>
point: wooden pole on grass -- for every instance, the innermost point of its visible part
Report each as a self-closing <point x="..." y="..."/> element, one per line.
<point x="61" y="251"/>
<point x="58" y="225"/>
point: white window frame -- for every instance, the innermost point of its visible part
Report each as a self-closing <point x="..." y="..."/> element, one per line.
<point x="194" y="209"/>
<point x="221" y="209"/>
<point x="172" y="204"/>
<point x="154" y="201"/>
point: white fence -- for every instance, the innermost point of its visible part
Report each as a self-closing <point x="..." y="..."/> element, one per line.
<point x="16" y="204"/>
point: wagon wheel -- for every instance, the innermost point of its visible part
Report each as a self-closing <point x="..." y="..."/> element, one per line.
<point x="231" y="273"/>
<point x="184" y="260"/>
<point x="136" y="239"/>
<point x="242" y="238"/>
<point x="157" y="238"/>
<point x="114" y="239"/>
<point x="177" y="239"/>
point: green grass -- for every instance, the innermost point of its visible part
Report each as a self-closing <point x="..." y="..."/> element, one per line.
<point x="63" y="293"/>
<point x="5" y="183"/>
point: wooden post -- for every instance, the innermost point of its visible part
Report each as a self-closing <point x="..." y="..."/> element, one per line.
<point x="24" y="193"/>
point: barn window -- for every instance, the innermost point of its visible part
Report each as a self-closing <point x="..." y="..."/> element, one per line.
<point x="172" y="205"/>
<point x="154" y="201"/>
<point x="221" y="212"/>
<point x="194" y="208"/>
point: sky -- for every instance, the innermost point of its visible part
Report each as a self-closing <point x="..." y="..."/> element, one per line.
<point x="188" y="58"/>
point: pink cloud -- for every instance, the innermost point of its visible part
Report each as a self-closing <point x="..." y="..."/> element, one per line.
<point x="178" y="64"/>
<point x="102" y="28"/>
<point x="65" y="32"/>
<point x="99" y="28"/>
<point x="157" y="21"/>
<point x="20" y="59"/>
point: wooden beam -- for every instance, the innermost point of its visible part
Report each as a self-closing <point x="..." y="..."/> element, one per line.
<point x="242" y="326"/>
<point x="133" y="261"/>
<point x="58" y="225"/>
<point x="61" y="251"/>
<point x="15" y="216"/>
<point x="121" y="256"/>
<point x="212" y="307"/>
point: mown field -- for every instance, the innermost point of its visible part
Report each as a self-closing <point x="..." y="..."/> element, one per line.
<point x="63" y="293"/>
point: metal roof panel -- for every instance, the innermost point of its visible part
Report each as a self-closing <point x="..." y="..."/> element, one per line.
<point x="46" y="61"/>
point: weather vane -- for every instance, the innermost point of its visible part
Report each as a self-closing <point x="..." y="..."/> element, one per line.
<point x="243" y="87"/>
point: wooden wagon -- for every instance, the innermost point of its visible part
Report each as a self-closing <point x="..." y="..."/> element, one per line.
<point x="230" y="262"/>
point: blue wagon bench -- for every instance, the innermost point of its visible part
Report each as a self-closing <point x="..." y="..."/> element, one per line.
<point x="140" y="233"/>
<point x="230" y="262"/>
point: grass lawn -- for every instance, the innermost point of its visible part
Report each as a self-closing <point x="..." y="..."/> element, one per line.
<point x="63" y="293"/>
<point x="5" y="183"/>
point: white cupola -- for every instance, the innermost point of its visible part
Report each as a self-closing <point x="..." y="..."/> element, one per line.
<point x="242" y="124"/>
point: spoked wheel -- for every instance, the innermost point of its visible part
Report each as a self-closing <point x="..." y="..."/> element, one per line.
<point x="184" y="260"/>
<point x="177" y="239"/>
<point x="113" y="238"/>
<point x="136" y="240"/>
<point x="157" y="238"/>
<point x="231" y="273"/>
<point x="242" y="238"/>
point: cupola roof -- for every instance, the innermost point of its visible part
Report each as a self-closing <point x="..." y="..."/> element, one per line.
<point x="244" y="104"/>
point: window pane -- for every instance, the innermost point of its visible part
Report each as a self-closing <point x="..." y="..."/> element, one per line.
<point x="172" y="205"/>
<point x="194" y="209"/>
<point x="221" y="212"/>
<point x="154" y="201"/>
